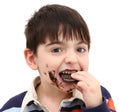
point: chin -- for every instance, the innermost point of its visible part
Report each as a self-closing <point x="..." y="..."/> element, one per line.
<point x="67" y="89"/>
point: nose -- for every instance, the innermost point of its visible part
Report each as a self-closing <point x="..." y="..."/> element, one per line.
<point x="71" y="57"/>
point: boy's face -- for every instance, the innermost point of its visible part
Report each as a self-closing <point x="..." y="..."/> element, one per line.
<point x="61" y="57"/>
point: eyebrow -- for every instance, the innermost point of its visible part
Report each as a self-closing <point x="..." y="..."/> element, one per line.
<point x="61" y="43"/>
<point x="82" y="42"/>
<point x="55" y="42"/>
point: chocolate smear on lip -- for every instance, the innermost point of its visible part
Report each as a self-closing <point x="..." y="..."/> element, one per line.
<point x="53" y="78"/>
<point x="55" y="81"/>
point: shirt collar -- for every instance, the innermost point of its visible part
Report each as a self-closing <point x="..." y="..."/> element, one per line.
<point x="31" y="95"/>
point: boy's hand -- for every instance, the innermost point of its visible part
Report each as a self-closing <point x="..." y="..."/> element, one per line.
<point x="89" y="87"/>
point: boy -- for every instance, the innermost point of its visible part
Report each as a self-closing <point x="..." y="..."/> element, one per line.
<point x="57" y="45"/>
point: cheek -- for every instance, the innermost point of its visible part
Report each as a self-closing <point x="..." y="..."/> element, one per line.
<point x="45" y="65"/>
<point x="52" y="67"/>
<point x="84" y="64"/>
<point x="87" y="64"/>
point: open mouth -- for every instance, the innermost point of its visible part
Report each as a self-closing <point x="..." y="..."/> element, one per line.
<point x="66" y="75"/>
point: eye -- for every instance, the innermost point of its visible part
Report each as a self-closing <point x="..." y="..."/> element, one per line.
<point x="81" y="50"/>
<point x="56" y="50"/>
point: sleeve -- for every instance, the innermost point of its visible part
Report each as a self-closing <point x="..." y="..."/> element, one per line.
<point x="15" y="101"/>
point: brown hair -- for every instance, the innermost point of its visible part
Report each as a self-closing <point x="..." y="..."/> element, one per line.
<point x="49" y="20"/>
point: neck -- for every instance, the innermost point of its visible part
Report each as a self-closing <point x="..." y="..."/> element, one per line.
<point x="51" y="97"/>
<point x="47" y="92"/>
<point x="51" y="93"/>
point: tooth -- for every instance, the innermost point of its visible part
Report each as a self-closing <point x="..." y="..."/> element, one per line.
<point x="67" y="72"/>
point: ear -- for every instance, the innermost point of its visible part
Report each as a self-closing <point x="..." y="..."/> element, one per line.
<point x="30" y="58"/>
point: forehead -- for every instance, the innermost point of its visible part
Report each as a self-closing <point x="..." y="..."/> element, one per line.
<point x="65" y="37"/>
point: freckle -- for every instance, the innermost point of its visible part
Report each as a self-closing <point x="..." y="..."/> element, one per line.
<point x="69" y="90"/>
<point x="60" y="83"/>
<point x="47" y="65"/>
<point x="45" y="73"/>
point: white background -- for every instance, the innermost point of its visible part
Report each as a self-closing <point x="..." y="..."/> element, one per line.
<point x="103" y="19"/>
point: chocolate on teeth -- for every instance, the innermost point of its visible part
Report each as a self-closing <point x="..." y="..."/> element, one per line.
<point x="68" y="79"/>
<point x="66" y="76"/>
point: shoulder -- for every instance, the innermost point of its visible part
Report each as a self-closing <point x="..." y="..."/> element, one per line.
<point x="15" y="101"/>
<point x="108" y="99"/>
<point x="105" y="92"/>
